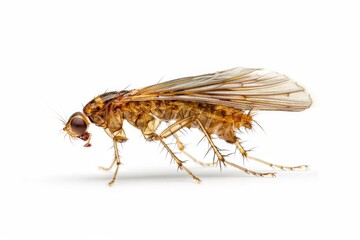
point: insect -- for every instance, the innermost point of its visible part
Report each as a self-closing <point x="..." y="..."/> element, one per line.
<point x="218" y="104"/>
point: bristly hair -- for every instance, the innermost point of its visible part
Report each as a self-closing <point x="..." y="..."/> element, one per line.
<point x="63" y="121"/>
<point x="251" y="113"/>
<point x="58" y="116"/>
<point x="258" y="125"/>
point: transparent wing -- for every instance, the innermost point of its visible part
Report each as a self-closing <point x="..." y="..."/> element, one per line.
<point x="240" y="88"/>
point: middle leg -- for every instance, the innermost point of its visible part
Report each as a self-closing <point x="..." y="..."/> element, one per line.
<point x="181" y="147"/>
<point x="171" y="130"/>
<point x="177" y="160"/>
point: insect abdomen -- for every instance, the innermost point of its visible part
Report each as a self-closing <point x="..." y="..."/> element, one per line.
<point x="219" y="120"/>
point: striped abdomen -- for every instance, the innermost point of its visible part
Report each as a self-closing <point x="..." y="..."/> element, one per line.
<point x="219" y="120"/>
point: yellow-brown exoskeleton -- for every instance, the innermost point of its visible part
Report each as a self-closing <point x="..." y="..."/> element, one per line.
<point x="217" y="104"/>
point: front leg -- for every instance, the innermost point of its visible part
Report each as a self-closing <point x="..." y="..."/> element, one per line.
<point x="118" y="136"/>
<point x="117" y="160"/>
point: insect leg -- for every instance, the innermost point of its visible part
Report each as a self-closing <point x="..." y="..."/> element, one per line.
<point x="118" y="136"/>
<point x="245" y="154"/>
<point x="117" y="160"/>
<point x="110" y="167"/>
<point x="171" y="130"/>
<point x="181" y="147"/>
<point x="177" y="160"/>
<point x="223" y="160"/>
<point x="176" y="126"/>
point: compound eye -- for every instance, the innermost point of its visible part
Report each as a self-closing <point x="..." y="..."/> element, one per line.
<point x="78" y="126"/>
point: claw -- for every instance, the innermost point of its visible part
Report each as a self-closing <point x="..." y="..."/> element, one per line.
<point x="111" y="183"/>
<point x="197" y="180"/>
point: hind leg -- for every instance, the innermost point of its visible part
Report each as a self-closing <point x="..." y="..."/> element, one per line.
<point x="224" y="161"/>
<point x="245" y="154"/>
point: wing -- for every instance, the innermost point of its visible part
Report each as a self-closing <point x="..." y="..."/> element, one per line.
<point x="240" y="88"/>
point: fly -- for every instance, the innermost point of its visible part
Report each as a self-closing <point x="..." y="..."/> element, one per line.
<point x="218" y="104"/>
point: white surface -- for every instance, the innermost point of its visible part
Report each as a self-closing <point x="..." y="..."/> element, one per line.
<point x="59" y="55"/>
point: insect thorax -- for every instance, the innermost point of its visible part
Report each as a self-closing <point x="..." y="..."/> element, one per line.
<point x="102" y="113"/>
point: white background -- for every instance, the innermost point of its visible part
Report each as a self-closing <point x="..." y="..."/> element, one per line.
<point x="57" y="55"/>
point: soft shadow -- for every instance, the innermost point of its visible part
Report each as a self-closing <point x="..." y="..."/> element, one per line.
<point x="146" y="177"/>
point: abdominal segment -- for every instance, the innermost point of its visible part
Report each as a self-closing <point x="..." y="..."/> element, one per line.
<point x="219" y="120"/>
